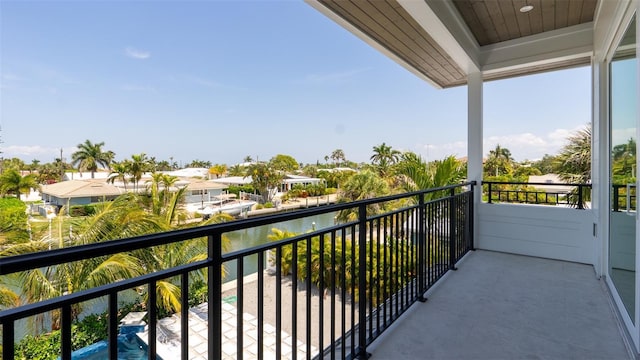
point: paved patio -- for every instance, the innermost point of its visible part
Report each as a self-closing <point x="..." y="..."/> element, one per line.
<point x="502" y="306"/>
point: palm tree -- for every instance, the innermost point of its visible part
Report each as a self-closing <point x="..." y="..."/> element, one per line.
<point x="218" y="170"/>
<point x="499" y="160"/>
<point x="237" y="170"/>
<point x="34" y="165"/>
<point x="119" y="171"/>
<point x="338" y="155"/>
<point x="11" y="182"/>
<point x="89" y="156"/>
<point x="574" y="161"/>
<point x="138" y="165"/>
<point x="416" y="174"/>
<point x="360" y="186"/>
<point x="384" y="157"/>
<point x="248" y="159"/>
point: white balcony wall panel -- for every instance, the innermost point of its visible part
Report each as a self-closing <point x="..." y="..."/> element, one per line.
<point x="537" y="230"/>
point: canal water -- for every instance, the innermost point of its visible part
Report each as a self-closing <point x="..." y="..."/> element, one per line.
<point x="243" y="239"/>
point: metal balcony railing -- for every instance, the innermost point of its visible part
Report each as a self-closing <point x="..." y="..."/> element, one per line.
<point x="624" y="197"/>
<point x="374" y="268"/>
<point x="572" y="195"/>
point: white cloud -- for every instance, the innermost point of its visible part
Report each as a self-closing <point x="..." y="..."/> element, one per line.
<point x="522" y="146"/>
<point x="30" y="152"/>
<point x="136" y="53"/>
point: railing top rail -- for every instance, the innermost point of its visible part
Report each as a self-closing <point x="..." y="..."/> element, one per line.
<point x="533" y="183"/>
<point x="93" y="293"/>
<point x="17" y="263"/>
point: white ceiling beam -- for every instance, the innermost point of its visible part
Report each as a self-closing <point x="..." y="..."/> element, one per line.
<point x="430" y="16"/>
<point x="545" y="48"/>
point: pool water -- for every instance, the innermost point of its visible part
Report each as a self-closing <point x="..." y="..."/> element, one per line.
<point x="130" y="347"/>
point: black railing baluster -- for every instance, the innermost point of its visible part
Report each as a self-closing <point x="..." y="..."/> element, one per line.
<point x="354" y="265"/>
<point x="113" y="325"/>
<point x="184" y="317"/>
<point x="8" y="339"/>
<point x="333" y="295"/>
<point x="362" y="282"/>
<point x="278" y="302"/>
<point x="65" y="332"/>
<point x="343" y="294"/>
<point x="240" y="308"/>
<point x="153" y="318"/>
<point x="370" y="254"/>
<point x="321" y="293"/>
<point x="309" y="294"/>
<point x="214" y="312"/>
<point x="294" y="301"/>
<point x="261" y="305"/>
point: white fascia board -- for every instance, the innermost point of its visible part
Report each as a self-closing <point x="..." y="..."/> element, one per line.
<point x="371" y="42"/>
<point x="464" y="51"/>
<point x="549" y="47"/>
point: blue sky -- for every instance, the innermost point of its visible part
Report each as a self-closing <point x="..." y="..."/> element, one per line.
<point x="217" y="81"/>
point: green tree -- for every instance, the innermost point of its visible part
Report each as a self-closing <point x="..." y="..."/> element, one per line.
<point x="237" y="170"/>
<point x="499" y="162"/>
<point x="284" y="163"/>
<point x="360" y="186"/>
<point x="218" y="170"/>
<point x="119" y="171"/>
<point x="338" y="155"/>
<point x="545" y="165"/>
<point x="90" y="156"/>
<point x="13" y="221"/>
<point x="384" y="156"/>
<point x="11" y="182"/>
<point x="264" y="179"/>
<point x="416" y="174"/>
<point x="574" y="160"/>
<point x="247" y="159"/>
<point x="138" y="165"/>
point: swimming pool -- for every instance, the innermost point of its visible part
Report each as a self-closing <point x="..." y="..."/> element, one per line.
<point x="130" y="347"/>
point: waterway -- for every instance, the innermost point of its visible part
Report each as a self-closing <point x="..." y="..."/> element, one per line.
<point x="247" y="238"/>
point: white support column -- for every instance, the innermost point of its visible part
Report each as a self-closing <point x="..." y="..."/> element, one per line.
<point x="474" y="141"/>
<point x="600" y="163"/>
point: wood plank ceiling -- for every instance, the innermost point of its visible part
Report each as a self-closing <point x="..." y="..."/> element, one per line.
<point x="490" y="22"/>
<point x="393" y="28"/>
<point x="493" y="21"/>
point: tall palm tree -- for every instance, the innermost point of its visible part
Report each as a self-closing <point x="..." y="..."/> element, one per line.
<point x="89" y="156"/>
<point x="384" y="156"/>
<point x="248" y="159"/>
<point x="138" y="165"/>
<point x="337" y="155"/>
<point x="499" y="160"/>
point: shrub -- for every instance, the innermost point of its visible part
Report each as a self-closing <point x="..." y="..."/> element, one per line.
<point x="13" y="220"/>
<point x="330" y="191"/>
<point x="268" y="205"/>
<point x="82" y="210"/>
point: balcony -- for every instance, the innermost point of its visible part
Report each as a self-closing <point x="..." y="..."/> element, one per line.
<point x="346" y="290"/>
<point x="504" y="306"/>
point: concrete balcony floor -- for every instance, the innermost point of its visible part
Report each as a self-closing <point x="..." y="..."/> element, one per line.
<point x="502" y="306"/>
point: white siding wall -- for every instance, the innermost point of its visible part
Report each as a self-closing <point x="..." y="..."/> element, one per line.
<point x="544" y="231"/>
